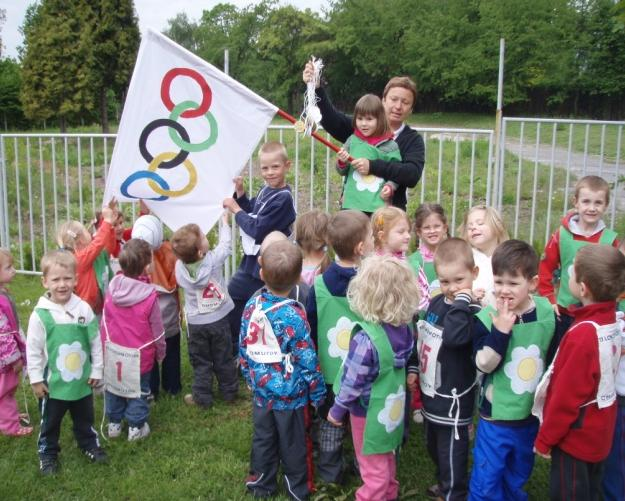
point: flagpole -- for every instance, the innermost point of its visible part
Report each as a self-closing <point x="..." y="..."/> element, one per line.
<point x="322" y="140"/>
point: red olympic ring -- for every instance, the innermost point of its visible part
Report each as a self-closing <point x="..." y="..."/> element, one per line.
<point x="207" y="94"/>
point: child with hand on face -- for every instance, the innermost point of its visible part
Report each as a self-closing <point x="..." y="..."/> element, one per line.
<point x="512" y="345"/>
<point x="12" y="353"/>
<point x="65" y="361"/>
<point x="483" y="228"/>
<point x="92" y="270"/>
<point x="442" y="364"/>
<point x="581" y="227"/>
<point x="576" y="399"/>
<point x="372" y="140"/>
<point x="371" y="388"/>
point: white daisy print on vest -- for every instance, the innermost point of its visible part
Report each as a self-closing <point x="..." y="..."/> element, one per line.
<point x="339" y="337"/>
<point x="392" y="415"/>
<point x="524" y="369"/>
<point x="70" y="361"/>
<point x="368" y="182"/>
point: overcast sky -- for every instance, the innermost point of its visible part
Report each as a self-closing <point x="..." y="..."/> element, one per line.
<point x="152" y="14"/>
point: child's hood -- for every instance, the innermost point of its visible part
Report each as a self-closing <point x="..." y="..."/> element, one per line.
<point x="195" y="275"/>
<point x="571" y="223"/>
<point x="126" y="291"/>
<point x="46" y="304"/>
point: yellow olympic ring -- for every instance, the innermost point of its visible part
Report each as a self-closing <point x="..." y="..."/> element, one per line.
<point x="164" y="157"/>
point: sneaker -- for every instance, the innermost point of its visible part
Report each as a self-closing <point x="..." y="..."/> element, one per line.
<point x="433" y="492"/>
<point x="48" y="466"/>
<point x="114" y="430"/>
<point x="136" y="433"/>
<point x="96" y="455"/>
<point x="188" y="399"/>
<point x="417" y="416"/>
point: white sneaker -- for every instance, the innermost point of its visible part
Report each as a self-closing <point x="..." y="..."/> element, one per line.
<point x="417" y="416"/>
<point x="135" y="433"/>
<point x="114" y="430"/>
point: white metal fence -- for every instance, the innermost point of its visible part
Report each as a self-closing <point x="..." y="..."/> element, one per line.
<point x="46" y="179"/>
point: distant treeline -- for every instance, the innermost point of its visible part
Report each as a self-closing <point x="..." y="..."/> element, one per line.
<point x="563" y="57"/>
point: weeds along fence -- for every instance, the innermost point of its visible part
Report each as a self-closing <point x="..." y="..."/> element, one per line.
<point x="46" y="179"/>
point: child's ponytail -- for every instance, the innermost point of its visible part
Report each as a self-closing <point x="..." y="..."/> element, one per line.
<point x="68" y="235"/>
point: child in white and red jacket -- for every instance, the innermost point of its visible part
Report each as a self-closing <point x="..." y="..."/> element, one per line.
<point x="576" y="400"/>
<point x="132" y="319"/>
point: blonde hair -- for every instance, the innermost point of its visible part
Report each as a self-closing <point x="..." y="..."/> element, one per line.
<point x="281" y="265"/>
<point x="274" y="147"/>
<point x="593" y="183"/>
<point x="491" y="217"/>
<point x="62" y="258"/>
<point x="68" y="234"/>
<point x="383" y="221"/>
<point x="271" y="237"/>
<point x="5" y="254"/>
<point x="454" y="250"/>
<point x="384" y="290"/>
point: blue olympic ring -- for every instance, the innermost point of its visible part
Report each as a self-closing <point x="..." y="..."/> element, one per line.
<point x="141" y="174"/>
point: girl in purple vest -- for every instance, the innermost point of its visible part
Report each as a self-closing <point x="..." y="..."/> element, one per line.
<point x="131" y="321"/>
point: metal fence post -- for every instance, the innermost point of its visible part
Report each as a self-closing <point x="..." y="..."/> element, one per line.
<point x="4" y="227"/>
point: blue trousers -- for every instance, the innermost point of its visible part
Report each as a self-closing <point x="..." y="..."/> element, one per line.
<point x="614" y="467"/>
<point x="135" y="410"/>
<point x="503" y="459"/>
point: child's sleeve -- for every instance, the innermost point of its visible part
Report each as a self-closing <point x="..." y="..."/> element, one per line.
<point x="305" y="357"/>
<point x="458" y="323"/>
<point x="224" y="245"/>
<point x="156" y="325"/>
<point x="311" y="313"/>
<point x="104" y="238"/>
<point x="343" y="168"/>
<point x="245" y="318"/>
<point x="245" y="203"/>
<point x="35" y="349"/>
<point x="277" y="214"/>
<point x="547" y="267"/>
<point x="489" y="347"/>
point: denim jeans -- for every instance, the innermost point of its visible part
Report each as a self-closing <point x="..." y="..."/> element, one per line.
<point x="135" y="410"/>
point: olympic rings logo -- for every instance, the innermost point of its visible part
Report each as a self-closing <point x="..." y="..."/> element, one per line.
<point x="179" y="136"/>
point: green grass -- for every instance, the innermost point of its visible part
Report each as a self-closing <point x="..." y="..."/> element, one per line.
<point x="191" y="454"/>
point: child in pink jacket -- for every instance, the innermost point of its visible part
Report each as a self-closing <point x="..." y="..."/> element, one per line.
<point x="133" y="336"/>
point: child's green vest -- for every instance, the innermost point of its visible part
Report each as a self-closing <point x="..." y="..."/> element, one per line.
<point x="69" y="356"/>
<point x="416" y="263"/>
<point x="363" y="192"/>
<point x="568" y="249"/>
<point x="335" y="321"/>
<point x="514" y="383"/>
<point x="384" y="425"/>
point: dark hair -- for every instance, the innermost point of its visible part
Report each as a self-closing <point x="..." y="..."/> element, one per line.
<point x="281" y="265"/>
<point x="346" y="230"/>
<point x="426" y="210"/>
<point x="452" y="250"/>
<point x="370" y="104"/>
<point x="134" y="257"/>
<point x="185" y="242"/>
<point x="515" y="257"/>
<point x="602" y="269"/>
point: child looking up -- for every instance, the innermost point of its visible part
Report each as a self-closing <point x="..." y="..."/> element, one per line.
<point x="272" y="209"/>
<point x="331" y="322"/>
<point x="576" y="399"/>
<point x="311" y="235"/>
<point x="131" y="320"/>
<point x="12" y="353"/>
<point x="279" y="363"/>
<point x="391" y="237"/>
<point x="483" y="228"/>
<point x="582" y="227"/>
<point x="443" y="360"/>
<point x="199" y="271"/>
<point x="372" y="139"/>
<point x="431" y="227"/>
<point x="74" y="237"/>
<point x="512" y="345"/>
<point x="372" y="385"/>
<point x="65" y="362"/>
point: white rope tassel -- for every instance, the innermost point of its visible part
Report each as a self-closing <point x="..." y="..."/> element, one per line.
<point x="311" y="116"/>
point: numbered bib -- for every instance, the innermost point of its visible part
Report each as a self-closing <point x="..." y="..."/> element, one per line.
<point x="261" y="341"/>
<point x="122" y="370"/>
<point x="429" y="343"/>
<point x="210" y="298"/>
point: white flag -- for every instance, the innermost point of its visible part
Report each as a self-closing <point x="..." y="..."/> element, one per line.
<point x="186" y="131"/>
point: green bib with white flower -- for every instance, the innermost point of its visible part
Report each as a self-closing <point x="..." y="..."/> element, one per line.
<point x="511" y="387"/>
<point x="416" y="263"/>
<point x="384" y="424"/>
<point x="103" y="272"/>
<point x="568" y="250"/>
<point x="363" y="192"/>
<point x="69" y="356"/>
<point x="335" y="321"/>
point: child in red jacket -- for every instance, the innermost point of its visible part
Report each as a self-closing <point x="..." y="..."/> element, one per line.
<point x="576" y="399"/>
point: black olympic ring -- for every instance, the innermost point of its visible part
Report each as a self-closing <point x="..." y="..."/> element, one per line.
<point x="155" y="124"/>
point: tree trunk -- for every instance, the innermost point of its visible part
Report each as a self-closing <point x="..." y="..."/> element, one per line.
<point x="62" y="125"/>
<point x="104" y="117"/>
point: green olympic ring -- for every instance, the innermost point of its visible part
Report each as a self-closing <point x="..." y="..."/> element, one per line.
<point x="178" y="110"/>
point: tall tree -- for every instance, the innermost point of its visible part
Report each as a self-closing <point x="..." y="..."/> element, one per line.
<point x="56" y="80"/>
<point x="3" y="17"/>
<point x="112" y="33"/>
<point x="10" y="83"/>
